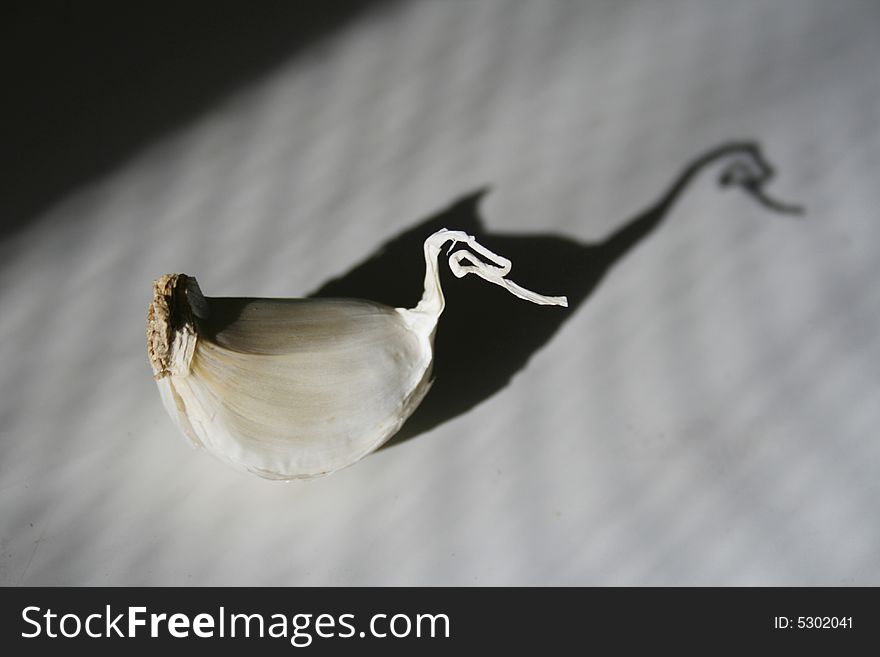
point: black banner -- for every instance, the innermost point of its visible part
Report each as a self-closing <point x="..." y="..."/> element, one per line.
<point x="281" y="620"/>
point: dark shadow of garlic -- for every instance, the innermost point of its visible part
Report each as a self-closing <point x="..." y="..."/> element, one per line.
<point x="484" y="340"/>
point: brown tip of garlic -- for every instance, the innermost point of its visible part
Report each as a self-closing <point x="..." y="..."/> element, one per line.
<point x="171" y="334"/>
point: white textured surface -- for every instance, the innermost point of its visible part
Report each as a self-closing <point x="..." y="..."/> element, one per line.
<point x="708" y="416"/>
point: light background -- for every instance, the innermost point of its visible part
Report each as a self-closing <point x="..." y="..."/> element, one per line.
<point x="708" y="416"/>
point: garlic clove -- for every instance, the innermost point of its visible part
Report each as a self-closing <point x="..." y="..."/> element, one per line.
<point x="298" y="388"/>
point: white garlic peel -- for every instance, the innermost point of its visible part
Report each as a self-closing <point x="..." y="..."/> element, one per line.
<point x="298" y="388"/>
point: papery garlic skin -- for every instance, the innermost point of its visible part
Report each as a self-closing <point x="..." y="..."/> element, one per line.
<point x="298" y="388"/>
